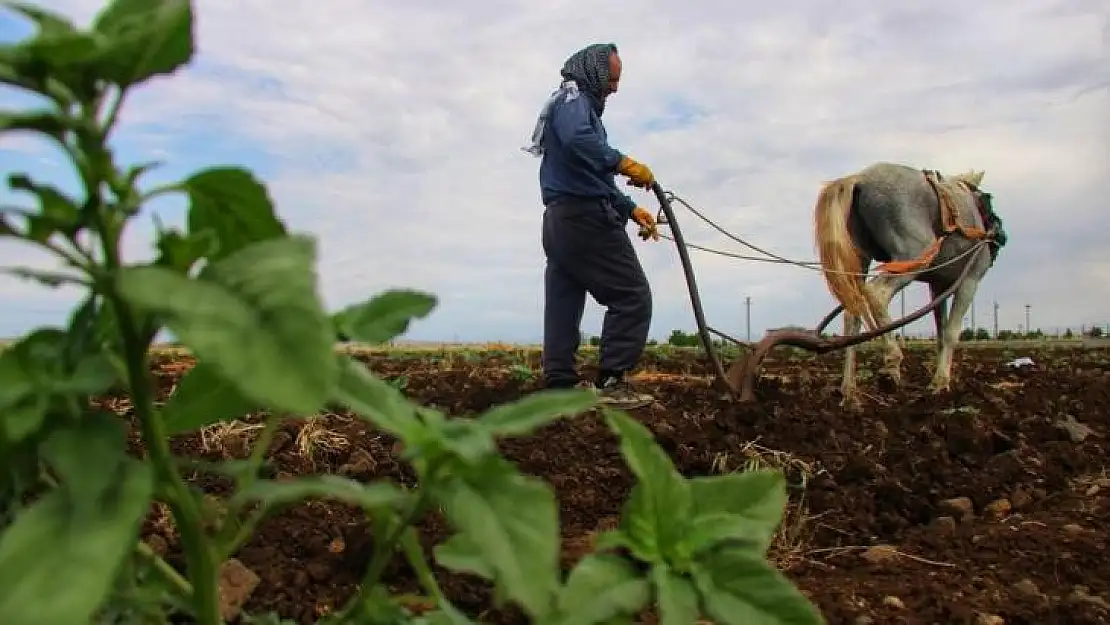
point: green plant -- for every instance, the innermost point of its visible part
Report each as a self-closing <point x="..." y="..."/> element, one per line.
<point x="240" y="292"/>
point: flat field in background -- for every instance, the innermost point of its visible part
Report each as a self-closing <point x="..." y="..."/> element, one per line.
<point x="991" y="499"/>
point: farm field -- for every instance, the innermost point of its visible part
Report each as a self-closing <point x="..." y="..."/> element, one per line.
<point x="988" y="504"/>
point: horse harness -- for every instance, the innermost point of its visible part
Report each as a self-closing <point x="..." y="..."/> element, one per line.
<point x="993" y="234"/>
<point x="950" y="224"/>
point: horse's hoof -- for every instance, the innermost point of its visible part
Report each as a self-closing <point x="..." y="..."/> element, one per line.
<point x="851" y="403"/>
<point x="937" y="388"/>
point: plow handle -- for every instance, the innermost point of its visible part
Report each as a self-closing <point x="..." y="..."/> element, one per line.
<point x="667" y="213"/>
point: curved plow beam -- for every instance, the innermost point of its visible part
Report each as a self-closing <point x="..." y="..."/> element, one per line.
<point x="743" y="373"/>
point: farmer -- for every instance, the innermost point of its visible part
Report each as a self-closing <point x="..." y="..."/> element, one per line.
<point x="584" y="237"/>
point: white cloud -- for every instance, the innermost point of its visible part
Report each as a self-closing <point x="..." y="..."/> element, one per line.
<point x="396" y="130"/>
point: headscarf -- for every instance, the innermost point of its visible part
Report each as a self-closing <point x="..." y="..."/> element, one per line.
<point x="586" y="71"/>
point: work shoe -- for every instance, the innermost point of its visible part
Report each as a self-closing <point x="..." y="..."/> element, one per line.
<point x="617" y="393"/>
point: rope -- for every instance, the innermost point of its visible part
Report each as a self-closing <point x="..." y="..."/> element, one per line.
<point x="774" y="258"/>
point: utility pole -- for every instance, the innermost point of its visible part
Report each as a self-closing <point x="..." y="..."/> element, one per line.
<point x="1028" y="328"/>
<point x="996" y="319"/>
<point x="748" y="315"/>
<point x="973" y="326"/>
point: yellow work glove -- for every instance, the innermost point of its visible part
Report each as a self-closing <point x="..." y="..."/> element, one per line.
<point x="638" y="174"/>
<point x="648" y="227"/>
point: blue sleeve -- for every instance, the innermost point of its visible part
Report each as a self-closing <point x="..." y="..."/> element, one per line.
<point x="571" y="124"/>
<point x="622" y="203"/>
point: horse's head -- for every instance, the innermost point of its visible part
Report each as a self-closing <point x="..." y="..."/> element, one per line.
<point x="991" y="221"/>
<point x="971" y="177"/>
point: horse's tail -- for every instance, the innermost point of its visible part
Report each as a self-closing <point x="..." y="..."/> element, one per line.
<point x="839" y="259"/>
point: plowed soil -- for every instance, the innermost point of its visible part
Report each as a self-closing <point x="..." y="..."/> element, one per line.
<point x="993" y="510"/>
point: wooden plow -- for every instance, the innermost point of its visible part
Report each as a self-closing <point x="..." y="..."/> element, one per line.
<point x="740" y="378"/>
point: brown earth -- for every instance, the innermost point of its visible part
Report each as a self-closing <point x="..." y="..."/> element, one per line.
<point x="1028" y="545"/>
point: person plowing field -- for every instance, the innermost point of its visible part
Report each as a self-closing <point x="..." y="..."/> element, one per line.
<point x="584" y="238"/>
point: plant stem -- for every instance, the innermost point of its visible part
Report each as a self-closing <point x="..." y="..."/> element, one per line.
<point x="187" y="516"/>
<point x="382" y="552"/>
<point x="258" y="454"/>
<point x="167" y="572"/>
<point x="381" y="556"/>
<point x="230" y="544"/>
<point x="414" y="553"/>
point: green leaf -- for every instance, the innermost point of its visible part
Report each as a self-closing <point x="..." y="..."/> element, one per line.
<point x="204" y="397"/>
<point x="448" y="616"/>
<point x="234" y="206"/>
<point x="134" y="172"/>
<point x="659" y="506"/>
<point x="385" y="316"/>
<point x="46" y="122"/>
<point x="738" y="587"/>
<point x="143" y="39"/>
<point x="460" y="554"/>
<point x="82" y="331"/>
<point x="376" y="400"/>
<point x="255" y="316"/>
<point x="677" y="597"/>
<point x="86" y="454"/>
<point x="62" y="52"/>
<point x="34" y="370"/>
<point x="56" y="544"/>
<point x="515" y="519"/>
<point x="537" y="409"/>
<point x="180" y="252"/>
<point x="462" y="437"/>
<point x="52" y="279"/>
<point x="55" y="206"/>
<point x="746" y="506"/>
<point x="272" y="494"/>
<point x="48" y="22"/>
<point x="23" y="417"/>
<point x="600" y="589"/>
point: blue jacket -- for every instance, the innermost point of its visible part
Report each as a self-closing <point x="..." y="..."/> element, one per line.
<point x="578" y="161"/>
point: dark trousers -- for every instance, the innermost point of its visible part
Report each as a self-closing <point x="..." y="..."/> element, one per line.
<point x="589" y="251"/>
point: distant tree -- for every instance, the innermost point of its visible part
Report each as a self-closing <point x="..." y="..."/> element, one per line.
<point x="981" y="334"/>
<point x="1096" y="331"/>
<point x="595" y="341"/>
<point x="1068" y="334"/>
<point x="678" y="338"/>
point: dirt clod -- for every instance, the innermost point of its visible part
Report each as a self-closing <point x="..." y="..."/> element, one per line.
<point x="944" y="526"/>
<point x="879" y="554"/>
<point x="959" y="507"/>
<point x="894" y="602"/>
<point x="237" y="582"/>
<point x="998" y="509"/>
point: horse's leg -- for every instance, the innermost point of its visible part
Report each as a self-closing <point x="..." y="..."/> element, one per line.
<point x="879" y="293"/>
<point x="940" y="320"/>
<point x="848" y="390"/>
<point x="961" y="302"/>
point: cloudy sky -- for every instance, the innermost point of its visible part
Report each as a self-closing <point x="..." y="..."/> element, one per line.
<point x="392" y="132"/>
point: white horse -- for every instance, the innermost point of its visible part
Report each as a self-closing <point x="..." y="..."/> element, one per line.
<point x="901" y="217"/>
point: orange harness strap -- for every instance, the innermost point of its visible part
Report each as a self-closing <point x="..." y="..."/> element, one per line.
<point x="950" y="218"/>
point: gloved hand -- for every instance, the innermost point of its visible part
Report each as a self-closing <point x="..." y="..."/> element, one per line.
<point x="638" y="174"/>
<point x="648" y="228"/>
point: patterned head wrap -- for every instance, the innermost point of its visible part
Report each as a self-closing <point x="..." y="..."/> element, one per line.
<point x="589" y="68"/>
<point x="585" y="71"/>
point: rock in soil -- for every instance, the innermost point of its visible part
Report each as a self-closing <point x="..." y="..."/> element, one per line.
<point x="237" y="582"/>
